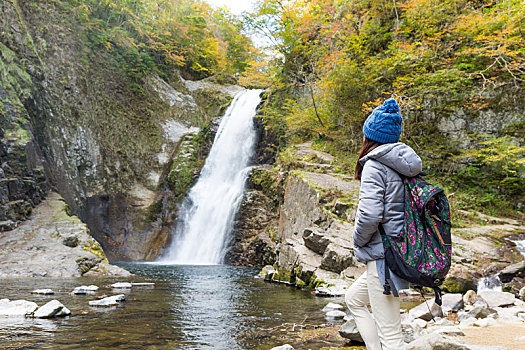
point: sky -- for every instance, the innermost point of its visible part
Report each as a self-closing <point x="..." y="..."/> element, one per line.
<point x="235" y="6"/>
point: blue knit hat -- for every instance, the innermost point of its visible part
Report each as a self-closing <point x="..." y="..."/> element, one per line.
<point x="384" y="124"/>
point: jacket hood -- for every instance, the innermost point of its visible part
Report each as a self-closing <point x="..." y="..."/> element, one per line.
<point x="397" y="156"/>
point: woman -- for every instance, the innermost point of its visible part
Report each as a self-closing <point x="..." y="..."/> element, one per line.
<point x="381" y="206"/>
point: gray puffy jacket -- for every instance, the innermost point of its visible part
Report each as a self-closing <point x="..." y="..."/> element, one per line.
<point x="381" y="197"/>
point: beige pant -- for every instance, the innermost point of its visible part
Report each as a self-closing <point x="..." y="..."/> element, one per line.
<point x="385" y="333"/>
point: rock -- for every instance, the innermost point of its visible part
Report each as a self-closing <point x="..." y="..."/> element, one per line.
<point x="470" y="297"/>
<point x="92" y="288"/>
<point x="337" y="258"/>
<point x="266" y="272"/>
<point x="64" y="312"/>
<point x="495" y="298"/>
<point x="485" y="322"/>
<point x="439" y="321"/>
<point x="436" y="341"/>
<point x="419" y="322"/>
<point x="43" y="291"/>
<point x="340" y="208"/>
<point x="71" y="241"/>
<point x="109" y="301"/>
<point x="349" y="331"/>
<point x="457" y="285"/>
<point x="84" y="290"/>
<point x="335" y="314"/>
<point x="449" y="330"/>
<point x="467" y="322"/>
<point x="426" y="310"/>
<point x="332" y="291"/>
<point x="511" y="271"/>
<point x="315" y="239"/>
<point x="479" y="311"/>
<point x="522" y="293"/>
<point x="121" y="285"/>
<point x="452" y="302"/>
<point x="143" y="284"/>
<point x="409" y="333"/>
<point x="283" y="347"/>
<point x="509" y="314"/>
<point x="51" y="309"/>
<point x="7" y="225"/>
<point x="332" y="306"/>
<point x="16" y="307"/>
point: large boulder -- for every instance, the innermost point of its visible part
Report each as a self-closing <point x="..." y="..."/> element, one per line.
<point x="511" y="271"/>
<point x="458" y="285"/>
<point x="470" y="297"/>
<point x="337" y="258"/>
<point x="452" y="302"/>
<point x="16" y="307"/>
<point x="349" y="331"/>
<point x="315" y="239"/>
<point x="436" y="341"/>
<point x="426" y="310"/>
<point x="52" y="309"/>
<point x="109" y="301"/>
<point x="479" y="310"/>
<point x="496" y="298"/>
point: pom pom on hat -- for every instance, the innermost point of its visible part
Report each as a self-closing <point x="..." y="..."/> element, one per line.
<point x="384" y="125"/>
<point x="391" y="106"/>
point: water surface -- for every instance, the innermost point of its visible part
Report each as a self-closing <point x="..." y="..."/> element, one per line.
<point x="191" y="307"/>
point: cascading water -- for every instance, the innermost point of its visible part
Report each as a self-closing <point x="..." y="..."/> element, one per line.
<point x="493" y="282"/>
<point x="206" y="215"/>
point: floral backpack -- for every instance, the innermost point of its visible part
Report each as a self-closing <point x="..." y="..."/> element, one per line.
<point x="422" y="253"/>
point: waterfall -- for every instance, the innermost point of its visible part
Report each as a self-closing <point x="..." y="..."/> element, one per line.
<point x="489" y="283"/>
<point x="206" y="215"/>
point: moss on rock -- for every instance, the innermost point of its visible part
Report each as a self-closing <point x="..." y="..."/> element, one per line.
<point x="458" y="285"/>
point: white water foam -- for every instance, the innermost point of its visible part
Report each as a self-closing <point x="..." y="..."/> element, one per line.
<point x="490" y="283"/>
<point x="206" y="216"/>
<point x="520" y="245"/>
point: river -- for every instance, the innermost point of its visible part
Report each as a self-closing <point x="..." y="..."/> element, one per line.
<point x="190" y="307"/>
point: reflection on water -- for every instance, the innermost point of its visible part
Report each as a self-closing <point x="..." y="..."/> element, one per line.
<point x="191" y="307"/>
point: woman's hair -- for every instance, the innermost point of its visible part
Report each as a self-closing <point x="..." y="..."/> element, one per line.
<point x="367" y="147"/>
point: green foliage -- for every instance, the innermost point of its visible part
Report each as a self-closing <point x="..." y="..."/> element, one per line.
<point x="338" y="59"/>
<point x="500" y="162"/>
<point x="149" y="35"/>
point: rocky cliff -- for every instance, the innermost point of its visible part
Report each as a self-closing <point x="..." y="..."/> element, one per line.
<point x="308" y="230"/>
<point x="120" y="152"/>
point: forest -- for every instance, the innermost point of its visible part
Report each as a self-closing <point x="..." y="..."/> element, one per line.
<point x="460" y="62"/>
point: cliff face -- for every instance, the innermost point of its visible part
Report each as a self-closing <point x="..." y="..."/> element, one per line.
<point x="309" y="234"/>
<point x="71" y="119"/>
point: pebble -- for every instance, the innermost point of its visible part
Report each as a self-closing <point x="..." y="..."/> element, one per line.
<point x="43" y="291"/>
<point x="121" y="285"/>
